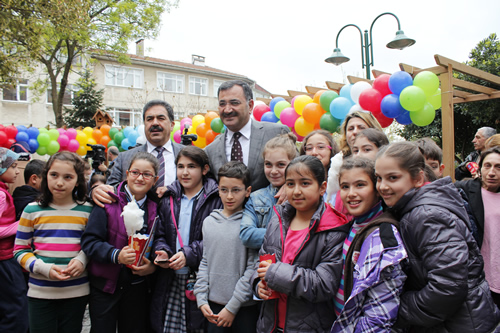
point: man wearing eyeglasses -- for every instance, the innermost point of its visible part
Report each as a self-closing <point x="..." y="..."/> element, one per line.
<point x="244" y="138"/>
<point x="158" y="119"/>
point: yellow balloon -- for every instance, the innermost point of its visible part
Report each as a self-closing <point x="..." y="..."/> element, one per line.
<point x="88" y="131"/>
<point x="82" y="151"/>
<point x="198" y="119"/>
<point x="302" y="127"/>
<point x="192" y="130"/>
<point x="201" y="142"/>
<point x="299" y="103"/>
<point x="91" y="141"/>
<point x="81" y="138"/>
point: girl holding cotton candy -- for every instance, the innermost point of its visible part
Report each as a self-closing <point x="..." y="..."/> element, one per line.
<point x="118" y="288"/>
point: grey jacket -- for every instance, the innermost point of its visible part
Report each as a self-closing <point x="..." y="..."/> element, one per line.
<point x="226" y="266"/>
<point x="445" y="290"/>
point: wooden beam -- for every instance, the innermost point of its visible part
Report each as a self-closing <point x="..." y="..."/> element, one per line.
<point x="334" y="85"/>
<point x="472" y="86"/>
<point x="447" y="118"/>
<point x="354" y="79"/>
<point x="462" y="68"/>
<point x="314" y="90"/>
<point x="412" y="70"/>
<point x="294" y="93"/>
<point x="377" y="73"/>
<point x="458" y="100"/>
<point x="288" y="98"/>
<point x="265" y="100"/>
<point x="408" y="68"/>
<point x="482" y="97"/>
<point x="460" y="93"/>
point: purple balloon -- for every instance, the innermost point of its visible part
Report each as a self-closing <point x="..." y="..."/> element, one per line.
<point x="391" y="107"/>
<point x="398" y="81"/>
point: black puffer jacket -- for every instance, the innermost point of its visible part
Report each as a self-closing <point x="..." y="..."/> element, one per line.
<point x="445" y="290"/>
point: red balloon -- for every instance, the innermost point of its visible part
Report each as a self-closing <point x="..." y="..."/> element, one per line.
<point x="259" y="110"/>
<point x="382" y="84"/>
<point x="10" y="142"/>
<point x="3" y="138"/>
<point x="383" y="120"/>
<point x="11" y="131"/>
<point x="210" y="136"/>
<point x="370" y="100"/>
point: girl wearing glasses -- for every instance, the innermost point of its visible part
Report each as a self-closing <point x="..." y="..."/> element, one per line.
<point x="118" y="294"/>
<point x="178" y="242"/>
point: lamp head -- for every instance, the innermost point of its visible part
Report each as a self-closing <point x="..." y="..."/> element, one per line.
<point x="337" y="58"/>
<point x="400" y="41"/>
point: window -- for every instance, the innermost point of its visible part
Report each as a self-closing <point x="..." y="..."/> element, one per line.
<point x="198" y="86"/>
<point x="69" y="93"/>
<point x="125" y="117"/>
<point x="124" y="76"/>
<point x="217" y="84"/>
<point x="170" y="82"/>
<point x="18" y="93"/>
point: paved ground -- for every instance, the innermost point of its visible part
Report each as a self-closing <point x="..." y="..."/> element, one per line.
<point x="86" y="321"/>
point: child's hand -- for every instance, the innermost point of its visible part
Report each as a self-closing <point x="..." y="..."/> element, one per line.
<point x="263" y="266"/>
<point x="178" y="261"/>
<point x="263" y="291"/>
<point x="207" y="312"/>
<point x="127" y="256"/>
<point x="75" y="268"/>
<point x="146" y="268"/>
<point x="56" y="273"/>
<point x="225" y="318"/>
<point x="281" y="196"/>
<point x="160" y="191"/>
<point x="162" y="259"/>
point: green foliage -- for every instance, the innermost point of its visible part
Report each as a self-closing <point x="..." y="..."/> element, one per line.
<point x="468" y="117"/>
<point x="55" y="33"/>
<point x="86" y="102"/>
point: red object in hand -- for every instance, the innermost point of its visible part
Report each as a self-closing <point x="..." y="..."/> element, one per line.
<point x="472" y="167"/>
<point x="138" y="243"/>
<point x="270" y="258"/>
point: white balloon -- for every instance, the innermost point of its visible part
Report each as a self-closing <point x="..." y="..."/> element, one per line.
<point x="357" y="89"/>
<point x="141" y="140"/>
<point x="140" y="130"/>
<point x="355" y="107"/>
<point x="255" y="103"/>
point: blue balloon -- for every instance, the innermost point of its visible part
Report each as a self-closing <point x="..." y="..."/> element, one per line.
<point x="132" y="137"/>
<point x="127" y="130"/>
<point x="33" y="132"/>
<point x="404" y="119"/>
<point x="21" y="128"/>
<point x="345" y="92"/>
<point x="33" y="145"/>
<point x="22" y="136"/>
<point x="391" y="107"/>
<point x="340" y="106"/>
<point x="270" y="117"/>
<point x="398" y="81"/>
<point x="125" y="144"/>
<point x="273" y="103"/>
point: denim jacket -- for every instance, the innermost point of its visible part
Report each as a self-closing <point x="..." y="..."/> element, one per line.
<point x="256" y="216"/>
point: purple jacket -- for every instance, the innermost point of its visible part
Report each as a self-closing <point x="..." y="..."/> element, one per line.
<point x="166" y="238"/>
<point x="102" y="237"/>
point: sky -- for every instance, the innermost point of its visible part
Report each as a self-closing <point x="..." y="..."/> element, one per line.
<point x="282" y="45"/>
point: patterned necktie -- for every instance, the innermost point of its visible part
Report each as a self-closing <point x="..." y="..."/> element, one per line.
<point x="161" y="171"/>
<point x="236" y="151"/>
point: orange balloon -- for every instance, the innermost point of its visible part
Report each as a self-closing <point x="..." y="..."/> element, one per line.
<point x="105" y="129"/>
<point x="312" y="113"/>
<point x="105" y="140"/>
<point x="210" y="136"/>
<point x="211" y="115"/>
<point x="97" y="135"/>
<point x="317" y="95"/>
<point x="302" y="127"/>
<point x="316" y="126"/>
<point x="201" y="130"/>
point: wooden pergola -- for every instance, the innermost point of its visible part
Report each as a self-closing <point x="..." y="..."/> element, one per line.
<point x="453" y="91"/>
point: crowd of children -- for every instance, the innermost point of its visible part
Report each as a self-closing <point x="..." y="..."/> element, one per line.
<point x="368" y="237"/>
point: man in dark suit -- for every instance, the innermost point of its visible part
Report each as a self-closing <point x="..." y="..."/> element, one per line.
<point x="158" y="119"/>
<point x="235" y="105"/>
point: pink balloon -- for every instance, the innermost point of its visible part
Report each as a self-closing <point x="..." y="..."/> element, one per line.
<point x="382" y="84"/>
<point x="63" y="140"/>
<point x="293" y="100"/>
<point x="187" y="121"/>
<point x="288" y="117"/>
<point x="177" y="136"/>
<point x="61" y="131"/>
<point x="73" y="145"/>
<point x="71" y="133"/>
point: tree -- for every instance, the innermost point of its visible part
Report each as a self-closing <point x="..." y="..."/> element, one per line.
<point x="86" y="102"/>
<point x="468" y="117"/>
<point x="55" y="33"/>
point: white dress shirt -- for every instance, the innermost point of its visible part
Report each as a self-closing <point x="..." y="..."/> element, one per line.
<point x="169" y="158"/>
<point x="244" y="141"/>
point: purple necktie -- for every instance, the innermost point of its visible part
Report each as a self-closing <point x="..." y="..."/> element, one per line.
<point x="236" y="151"/>
<point x="161" y="171"/>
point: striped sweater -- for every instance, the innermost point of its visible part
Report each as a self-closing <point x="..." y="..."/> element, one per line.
<point x="51" y="236"/>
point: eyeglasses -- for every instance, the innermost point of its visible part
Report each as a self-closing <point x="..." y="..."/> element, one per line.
<point x="137" y="173"/>
<point x="233" y="191"/>
<point x="309" y="148"/>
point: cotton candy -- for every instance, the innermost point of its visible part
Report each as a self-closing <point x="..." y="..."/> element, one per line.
<point x="132" y="217"/>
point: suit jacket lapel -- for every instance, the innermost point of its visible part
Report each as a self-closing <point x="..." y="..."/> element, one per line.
<point x="256" y="144"/>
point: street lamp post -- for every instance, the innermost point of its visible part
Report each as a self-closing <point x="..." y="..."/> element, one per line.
<point x="399" y="42"/>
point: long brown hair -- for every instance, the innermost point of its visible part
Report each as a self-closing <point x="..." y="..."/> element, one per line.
<point x="367" y="117"/>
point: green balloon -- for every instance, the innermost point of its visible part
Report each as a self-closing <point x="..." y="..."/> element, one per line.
<point x="326" y="99"/>
<point x="435" y="99"/>
<point x="41" y="150"/>
<point x="428" y="81"/>
<point x="112" y="143"/>
<point x="42" y="130"/>
<point x="329" y="123"/>
<point x="53" y="147"/>
<point x="280" y="106"/>
<point x="112" y="132"/>
<point x="119" y="138"/>
<point x="54" y="134"/>
<point x="412" y="98"/>
<point x="43" y="139"/>
<point x="423" y="117"/>
<point x="216" y="125"/>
